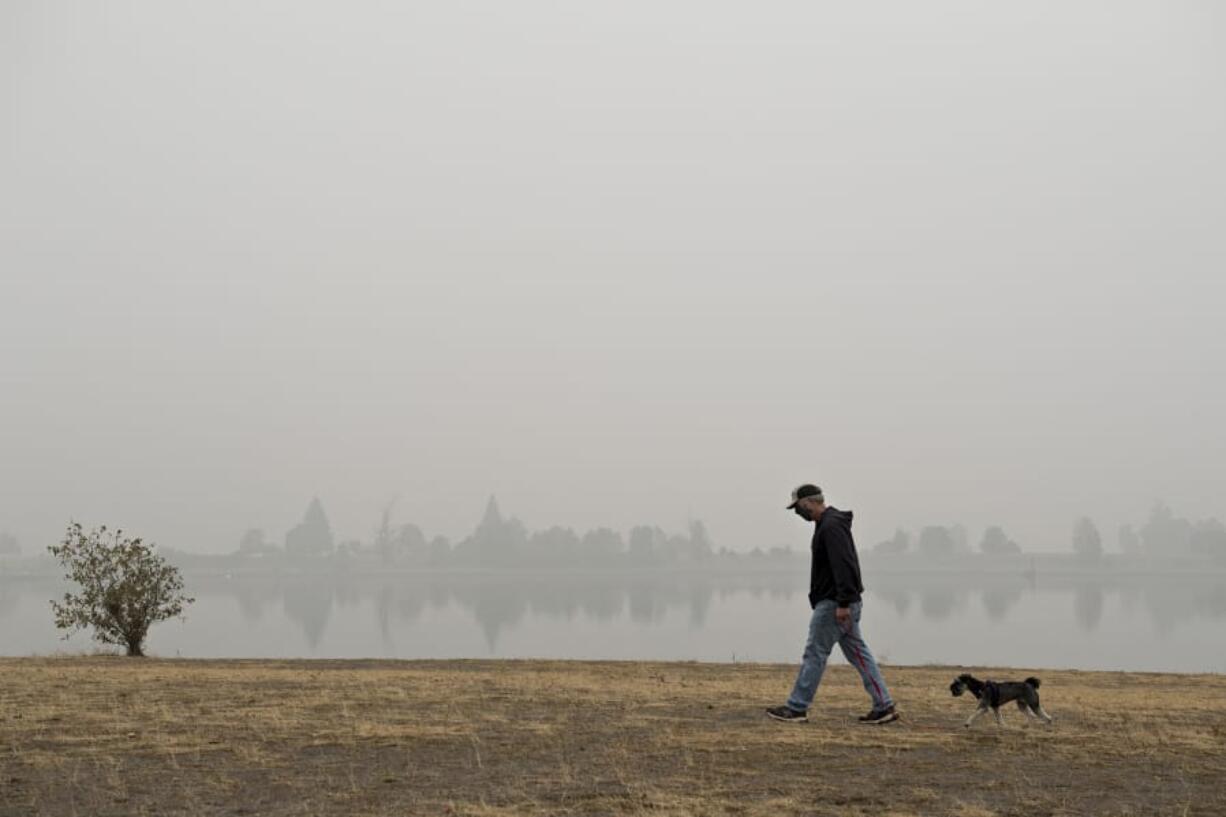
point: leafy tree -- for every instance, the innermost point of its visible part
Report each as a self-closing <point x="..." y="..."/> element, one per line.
<point x="497" y="540"/>
<point x="936" y="540"/>
<point x="252" y="540"/>
<point x="1087" y="543"/>
<point x="996" y="543"/>
<point x="1208" y="538"/>
<point x="899" y="543"/>
<point x="124" y="587"/>
<point x="1168" y="534"/>
<point x="675" y="547"/>
<point x="254" y="544"/>
<point x="8" y="543"/>
<point x="411" y="541"/>
<point x="1165" y="533"/>
<point x="602" y="543"/>
<point x="556" y="544"/>
<point x="440" y="550"/>
<point x="313" y="535"/>
<point x="700" y="541"/>
<point x="645" y="544"/>
<point x="405" y="544"/>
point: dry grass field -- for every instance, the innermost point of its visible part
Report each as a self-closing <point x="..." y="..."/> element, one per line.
<point x="115" y="736"/>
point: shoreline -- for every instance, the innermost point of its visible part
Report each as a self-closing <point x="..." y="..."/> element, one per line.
<point x="375" y="663"/>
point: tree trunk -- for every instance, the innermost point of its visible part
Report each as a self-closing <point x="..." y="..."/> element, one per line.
<point x="134" y="650"/>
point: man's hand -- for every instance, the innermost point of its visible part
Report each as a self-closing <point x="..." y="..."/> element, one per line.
<point x="843" y="616"/>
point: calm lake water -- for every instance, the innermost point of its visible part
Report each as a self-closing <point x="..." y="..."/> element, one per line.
<point x="1169" y="624"/>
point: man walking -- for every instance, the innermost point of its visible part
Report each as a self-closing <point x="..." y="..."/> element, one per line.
<point x="834" y="595"/>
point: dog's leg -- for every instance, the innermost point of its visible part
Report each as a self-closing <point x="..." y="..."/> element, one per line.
<point x="1030" y="716"/>
<point x="1043" y="714"/>
<point x="999" y="722"/>
<point x="978" y="711"/>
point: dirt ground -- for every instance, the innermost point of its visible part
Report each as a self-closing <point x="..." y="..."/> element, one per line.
<point x="116" y="736"/>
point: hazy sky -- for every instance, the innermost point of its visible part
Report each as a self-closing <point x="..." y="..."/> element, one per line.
<point x="613" y="262"/>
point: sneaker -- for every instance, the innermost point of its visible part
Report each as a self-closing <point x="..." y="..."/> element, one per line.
<point x="788" y="714"/>
<point x="878" y="716"/>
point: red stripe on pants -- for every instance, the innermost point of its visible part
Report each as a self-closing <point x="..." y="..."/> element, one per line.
<point x="864" y="670"/>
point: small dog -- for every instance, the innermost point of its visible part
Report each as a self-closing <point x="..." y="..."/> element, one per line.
<point x="991" y="694"/>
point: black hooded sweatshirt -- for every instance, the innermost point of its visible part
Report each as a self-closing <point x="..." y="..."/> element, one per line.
<point x="835" y="570"/>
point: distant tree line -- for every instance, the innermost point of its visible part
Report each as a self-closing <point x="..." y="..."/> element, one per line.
<point x="1165" y="533"/>
<point x="497" y="541"/>
<point x="1162" y="534"/>
<point x="944" y="540"/>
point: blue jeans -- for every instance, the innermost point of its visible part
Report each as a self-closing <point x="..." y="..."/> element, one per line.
<point x="824" y="631"/>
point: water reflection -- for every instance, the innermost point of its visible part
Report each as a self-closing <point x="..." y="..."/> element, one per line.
<point x="308" y="603"/>
<point x="939" y="603"/>
<point x="998" y="600"/>
<point x="1088" y="605"/>
<point x="8" y="599"/>
<point x="501" y="603"/>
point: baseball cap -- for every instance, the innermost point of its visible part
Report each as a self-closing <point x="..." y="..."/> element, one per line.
<point x="804" y="492"/>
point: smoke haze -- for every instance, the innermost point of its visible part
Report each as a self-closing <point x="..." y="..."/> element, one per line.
<point x="614" y="263"/>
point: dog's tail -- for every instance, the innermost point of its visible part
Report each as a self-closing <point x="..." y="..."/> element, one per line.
<point x="1032" y="681"/>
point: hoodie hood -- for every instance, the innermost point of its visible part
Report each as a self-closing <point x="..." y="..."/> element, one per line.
<point x="833" y="516"/>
